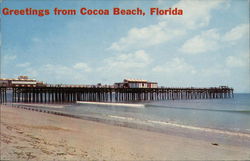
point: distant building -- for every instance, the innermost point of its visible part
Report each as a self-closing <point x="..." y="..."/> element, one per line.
<point x="136" y="83"/>
<point x="22" y="81"/>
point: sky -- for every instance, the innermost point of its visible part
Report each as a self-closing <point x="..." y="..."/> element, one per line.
<point x="207" y="46"/>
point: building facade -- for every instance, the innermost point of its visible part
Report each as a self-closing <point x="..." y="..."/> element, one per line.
<point x="21" y="81"/>
<point x="136" y="83"/>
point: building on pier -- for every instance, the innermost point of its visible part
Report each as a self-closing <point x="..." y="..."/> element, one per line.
<point x="136" y="83"/>
<point x="21" y="81"/>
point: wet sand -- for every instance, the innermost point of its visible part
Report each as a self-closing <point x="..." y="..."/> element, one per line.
<point x="31" y="135"/>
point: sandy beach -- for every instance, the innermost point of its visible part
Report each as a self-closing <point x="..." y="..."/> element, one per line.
<point x="31" y="135"/>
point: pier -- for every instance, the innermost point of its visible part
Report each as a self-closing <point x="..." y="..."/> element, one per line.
<point x="3" y="94"/>
<point x="108" y="94"/>
<point x="30" y="91"/>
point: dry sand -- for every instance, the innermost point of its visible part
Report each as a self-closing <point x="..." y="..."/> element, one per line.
<point x="30" y="135"/>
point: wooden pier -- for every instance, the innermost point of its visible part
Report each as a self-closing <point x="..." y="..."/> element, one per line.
<point x="3" y="94"/>
<point x="57" y="94"/>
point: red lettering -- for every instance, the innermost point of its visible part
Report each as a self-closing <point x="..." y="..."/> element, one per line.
<point x="26" y="11"/>
<point x="170" y="11"/>
<point x="85" y="11"/>
<point x="5" y="11"/>
<point x="82" y="11"/>
<point x="116" y="11"/>
<point x="137" y="11"/>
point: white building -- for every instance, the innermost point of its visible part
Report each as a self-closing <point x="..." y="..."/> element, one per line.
<point x="136" y="83"/>
<point x="21" y="81"/>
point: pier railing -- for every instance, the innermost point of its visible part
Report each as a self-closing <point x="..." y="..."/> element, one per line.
<point x="62" y="94"/>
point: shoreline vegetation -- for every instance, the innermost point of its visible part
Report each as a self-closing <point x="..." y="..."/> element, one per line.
<point x="31" y="135"/>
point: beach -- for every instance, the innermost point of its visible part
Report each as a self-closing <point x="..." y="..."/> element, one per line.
<point x="31" y="135"/>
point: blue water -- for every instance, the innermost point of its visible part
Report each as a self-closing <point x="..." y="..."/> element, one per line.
<point x="222" y="114"/>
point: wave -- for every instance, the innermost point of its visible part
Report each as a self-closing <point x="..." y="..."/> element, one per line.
<point x="111" y="104"/>
<point x="163" y="123"/>
<point x="197" y="109"/>
<point x="133" y="122"/>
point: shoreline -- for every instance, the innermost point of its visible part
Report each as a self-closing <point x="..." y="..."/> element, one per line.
<point x="155" y="143"/>
<point x="200" y="133"/>
<point x="149" y="125"/>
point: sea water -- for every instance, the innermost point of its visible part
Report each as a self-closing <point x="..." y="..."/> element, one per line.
<point x="231" y="115"/>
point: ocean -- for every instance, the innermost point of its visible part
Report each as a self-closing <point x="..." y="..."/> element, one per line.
<point x="231" y="115"/>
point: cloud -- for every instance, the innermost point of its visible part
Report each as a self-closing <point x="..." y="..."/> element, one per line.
<point x="217" y="71"/>
<point x="211" y="40"/>
<point x="175" y="72"/>
<point x="49" y="72"/>
<point x="133" y="65"/>
<point x="31" y="72"/>
<point x="175" y="66"/>
<point x="122" y="65"/>
<point x="57" y="70"/>
<point x="8" y="58"/>
<point x="146" y="37"/>
<point x="57" y="73"/>
<point x="62" y="73"/>
<point x="237" y="32"/>
<point x="206" y="41"/>
<point x="138" y="59"/>
<point x="241" y="60"/>
<point x="82" y="66"/>
<point x="36" y="40"/>
<point x="196" y="14"/>
<point x="23" y="65"/>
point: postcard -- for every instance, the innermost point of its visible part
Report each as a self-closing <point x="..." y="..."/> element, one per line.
<point x="125" y="80"/>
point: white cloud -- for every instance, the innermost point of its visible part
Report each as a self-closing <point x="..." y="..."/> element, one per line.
<point x="206" y="41"/>
<point x="57" y="70"/>
<point x="63" y="73"/>
<point x="9" y="55"/>
<point x="81" y="73"/>
<point x="8" y="58"/>
<point x="138" y="59"/>
<point x="146" y="37"/>
<point x="131" y="65"/>
<point x="82" y="66"/>
<point x="175" y="72"/>
<point x="215" y="75"/>
<point x="196" y="14"/>
<point x="36" y="40"/>
<point x="241" y="60"/>
<point x="175" y="66"/>
<point x="215" y="71"/>
<point x="211" y="40"/>
<point x="56" y="73"/>
<point x="237" y="32"/>
<point x="31" y="72"/>
<point x="23" y="65"/>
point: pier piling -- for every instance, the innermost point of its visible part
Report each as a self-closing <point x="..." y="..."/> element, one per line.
<point x="54" y="94"/>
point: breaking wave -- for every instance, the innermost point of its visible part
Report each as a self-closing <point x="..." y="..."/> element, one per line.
<point x="163" y="123"/>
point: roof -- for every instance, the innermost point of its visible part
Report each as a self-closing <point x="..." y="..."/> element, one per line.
<point x="135" y="80"/>
<point x="7" y="79"/>
<point x="153" y="82"/>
